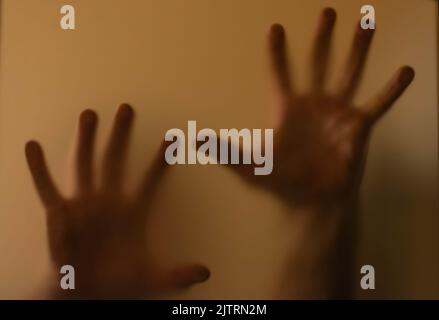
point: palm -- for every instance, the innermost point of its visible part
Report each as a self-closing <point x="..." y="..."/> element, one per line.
<point x="316" y="149"/>
<point x="100" y="231"/>
<point x="103" y="237"/>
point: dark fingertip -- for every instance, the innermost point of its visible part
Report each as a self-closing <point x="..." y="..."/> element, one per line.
<point x="202" y="274"/>
<point x="330" y="14"/>
<point x="33" y="153"/>
<point x="407" y="74"/>
<point x="277" y="38"/>
<point x="327" y="21"/>
<point x="32" y="147"/>
<point x="88" y="116"/>
<point x="277" y="31"/>
<point x="125" y="105"/>
<point x="126" y="111"/>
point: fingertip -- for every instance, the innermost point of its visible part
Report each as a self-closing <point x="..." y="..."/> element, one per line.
<point x="88" y="116"/>
<point x="126" y="107"/>
<point x="125" y="112"/>
<point x="201" y="273"/>
<point x="327" y="20"/>
<point x="393" y="90"/>
<point x="406" y="75"/>
<point x="277" y="28"/>
<point x="277" y="32"/>
<point x="32" y="147"/>
<point x="34" y="154"/>
<point x="329" y="14"/>
<point x="187" y="276"/>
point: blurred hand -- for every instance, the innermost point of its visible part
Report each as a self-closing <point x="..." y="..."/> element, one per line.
<point x="319" y="149"/>
<point x="320" y="143"/>
<point x="101" y="231"/>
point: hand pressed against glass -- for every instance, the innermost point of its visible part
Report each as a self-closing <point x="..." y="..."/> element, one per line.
<point x="101" y="230"/>
<point x="320" y="143"/>
<point x="319" y="148"/>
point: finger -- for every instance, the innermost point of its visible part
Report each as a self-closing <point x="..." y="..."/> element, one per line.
<point x="379" y="105"/>
<point x="43" y="182"/>
<point x="154" y="175"/>
<point x="356" y="63"/>
<point x="229" y="154"/>
<point x="115" y="154"/>
<point x="183" y="277"/>
<point x="321" y="50"/>
<point x="279" y="60"/>
<point x="84" y="153"/>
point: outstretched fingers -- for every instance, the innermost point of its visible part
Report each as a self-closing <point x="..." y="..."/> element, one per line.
<point x="321" y="49"/>
<point x="84" y="152"/>
<point x="380" y="104"/>
<point x="44" y="184"/>
<point x="115" y="153"/>
<point x="356" y="62"/>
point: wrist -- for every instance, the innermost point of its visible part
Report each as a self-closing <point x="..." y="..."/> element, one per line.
<point x="322" y="256"/>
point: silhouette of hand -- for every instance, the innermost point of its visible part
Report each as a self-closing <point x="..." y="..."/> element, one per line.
<point x="320" y="144"/>
<point x="100" y="231"/>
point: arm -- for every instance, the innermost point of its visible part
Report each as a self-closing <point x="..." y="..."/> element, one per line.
<point x="320" y="147"/>
<point x="321" y="261"/>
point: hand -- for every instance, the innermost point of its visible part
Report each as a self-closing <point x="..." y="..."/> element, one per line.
<point x="100" y="231"/>
<point x="319" y="150"/>
<point x="320" y="144"/>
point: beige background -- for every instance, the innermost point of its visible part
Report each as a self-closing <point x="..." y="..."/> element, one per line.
<point x="205" y="60"/>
